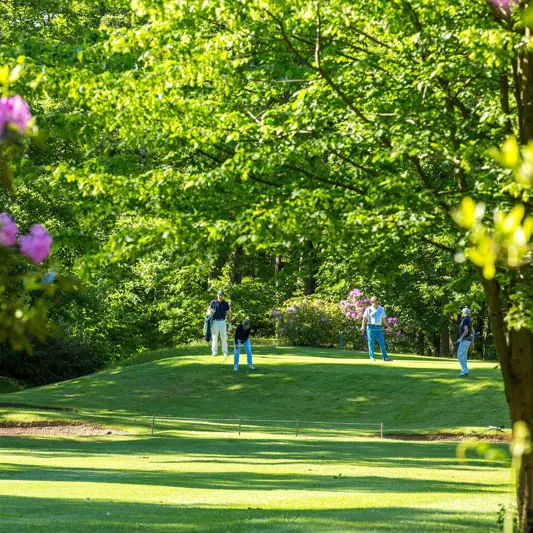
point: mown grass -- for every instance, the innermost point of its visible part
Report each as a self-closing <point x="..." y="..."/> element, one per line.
<point x="187" y="477"/>
<point x="412" y="393"/>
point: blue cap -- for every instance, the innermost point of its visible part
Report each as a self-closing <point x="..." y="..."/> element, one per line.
<point x="466" y="310"/>
<point x="220" y="293"/>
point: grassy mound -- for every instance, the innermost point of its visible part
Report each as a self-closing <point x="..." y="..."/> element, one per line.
<point x="317" y="385"/>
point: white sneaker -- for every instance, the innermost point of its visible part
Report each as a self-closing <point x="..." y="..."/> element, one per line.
<point x="235" y="369"/>
<point x="251" y="367"/>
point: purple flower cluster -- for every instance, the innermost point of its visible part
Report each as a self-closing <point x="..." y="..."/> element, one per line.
<point x="36" y="245"/>
<point x="504" y="7"/>
<point x="354" y="307"/>
<point x="8" y="230"/>
<point x="14" y="113"/>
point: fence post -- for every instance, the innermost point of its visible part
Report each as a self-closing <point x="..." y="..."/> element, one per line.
<point x="153" y="424"/>
<point x="240" y="422"/>
<point x="381" y="429"/>
<point x="297" y="427"/>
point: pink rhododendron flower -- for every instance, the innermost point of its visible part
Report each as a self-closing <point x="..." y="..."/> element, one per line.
<point x="14" y="111"/>
<point x="36" y="245"/>
<point x="8" y="230"/>
<point x="504" y="7"/>
<point x="4" y="115"/>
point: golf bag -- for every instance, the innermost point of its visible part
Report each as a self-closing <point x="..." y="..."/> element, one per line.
<point x="207" y="328"/>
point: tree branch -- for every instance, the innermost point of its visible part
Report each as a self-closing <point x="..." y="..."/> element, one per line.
<point x="323" y="180"/>
<point x="251" y="175"/>
<point x="504" y="101"/>
<point x="437" y="244"/>
<point x="352" y="162"/>
<point x="320" y="70"/>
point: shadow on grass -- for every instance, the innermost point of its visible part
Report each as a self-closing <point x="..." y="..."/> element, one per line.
<point x="243" y="481"/>
<point x="180" y="449"/>
<point x="60" y="515"/>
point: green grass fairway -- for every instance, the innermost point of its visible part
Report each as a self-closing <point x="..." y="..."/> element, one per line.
<point x="205" y="477"/>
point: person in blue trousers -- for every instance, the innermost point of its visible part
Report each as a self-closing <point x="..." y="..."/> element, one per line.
<point x="242" y="338"/>
<point x="373" y="320"/>
<point x="465" y="338"/>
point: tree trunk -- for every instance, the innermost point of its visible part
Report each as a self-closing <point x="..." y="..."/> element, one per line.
<point x="236" y="265"/>
<point x="524" y="81"/>
<point x="521" y="408"/>
<point x="525" y="496"/>
<point x="444" y="346"/>
<point x="309" y="267"/>
<point x="518" y="370"/>
<point x="515" y="353"/>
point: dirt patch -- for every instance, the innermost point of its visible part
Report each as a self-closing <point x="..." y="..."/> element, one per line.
<point x="20" y="429"/>
<point x="449" y="437"/>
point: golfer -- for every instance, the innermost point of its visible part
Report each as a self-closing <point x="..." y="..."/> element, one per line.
<point x="242" y="338"/>
<point x="219" y="308"/>
<point x="373" y="319"/>
<point x="464" y="340"/>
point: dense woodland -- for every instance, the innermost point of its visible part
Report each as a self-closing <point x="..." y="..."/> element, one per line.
<point x="275" y="150"/>
<point x="148" y="231"/>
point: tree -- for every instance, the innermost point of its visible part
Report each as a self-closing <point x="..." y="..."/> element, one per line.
<point x="271" y="125"/>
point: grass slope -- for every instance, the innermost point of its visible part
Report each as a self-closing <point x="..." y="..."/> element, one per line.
<point x="414" y="393"/>
<point x="189" y="479"/>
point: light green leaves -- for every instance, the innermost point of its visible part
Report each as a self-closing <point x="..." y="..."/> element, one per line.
<point x="507" y="238"/>
<point x="469" y="213"/>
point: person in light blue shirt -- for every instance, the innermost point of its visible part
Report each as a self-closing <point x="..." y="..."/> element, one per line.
<point x="373" y="319"/>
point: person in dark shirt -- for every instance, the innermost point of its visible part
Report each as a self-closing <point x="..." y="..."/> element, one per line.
<point x="218" y="309"/>
<point x="465" y="336"/>
<point x="242" y="338"/>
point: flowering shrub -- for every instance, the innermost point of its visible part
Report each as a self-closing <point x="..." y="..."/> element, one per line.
<point x="22" y="315"/>
<point x="35" y="245"/>
<point x="313" y="322"/>
<point x="8" y="231"/>
<point x="353" y="308"/>
<point x="15" y="116"/>
<point x="309" y="322"/>
<point x="23" y="290"/>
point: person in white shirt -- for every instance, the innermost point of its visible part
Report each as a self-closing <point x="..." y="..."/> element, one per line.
<point x="373" y="318"/>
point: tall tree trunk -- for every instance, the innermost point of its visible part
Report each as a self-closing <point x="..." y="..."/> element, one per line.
<point x="309" y="268"/>
<point x="516" y="350"/>
<point x="444" y="345"/>
<point x="479" y="328"/>
<point x="521" y="343"/>
<point x="524" y="79"/>
<point x="236" y="265"/>
<point x="218" y="265"/>
<point x="515" y="353"/>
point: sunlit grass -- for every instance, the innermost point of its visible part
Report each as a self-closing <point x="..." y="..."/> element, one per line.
<point x="412" y="393"/>
<point x="217" y="481"/>
<point x="201" y="475"/>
